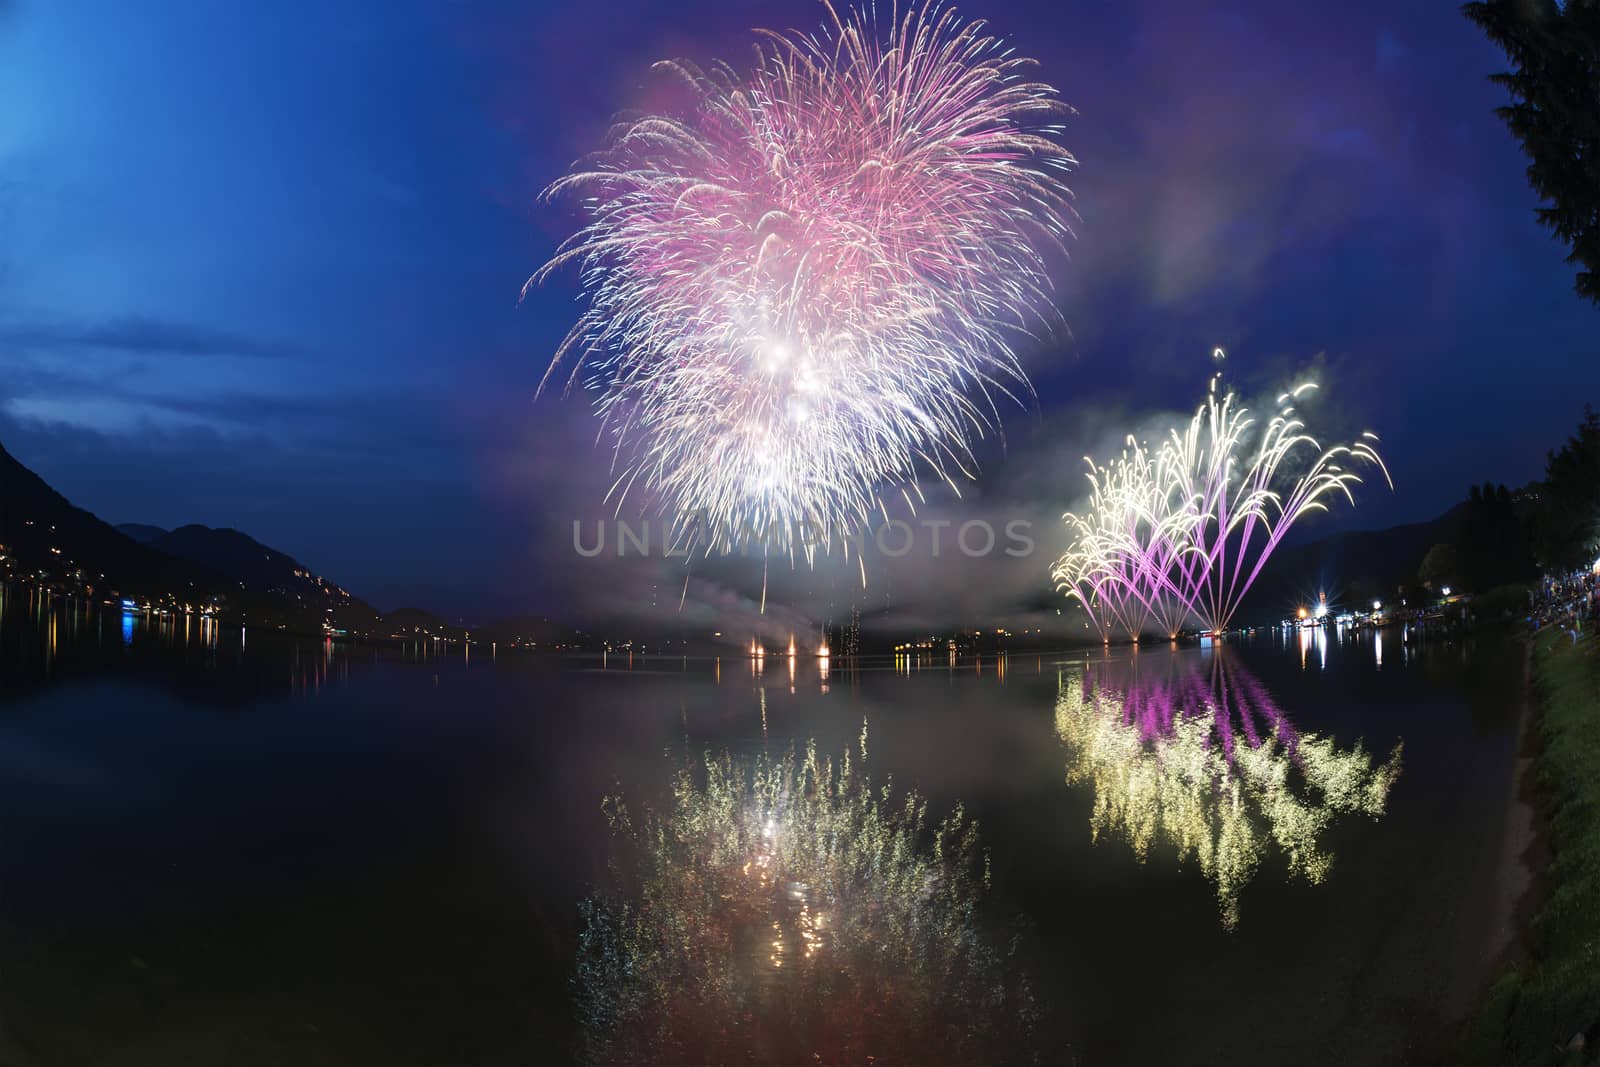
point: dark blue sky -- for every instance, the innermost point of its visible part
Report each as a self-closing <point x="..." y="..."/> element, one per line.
<point x="259" y="264"/>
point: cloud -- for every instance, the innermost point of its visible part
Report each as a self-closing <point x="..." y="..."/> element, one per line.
<point x="1235" y="156"/>
<point x="1391" y="51"/>
<point x="139" y="335"/>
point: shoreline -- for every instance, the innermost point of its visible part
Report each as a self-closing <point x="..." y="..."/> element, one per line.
<point x="1524" y="845"/>
<point x="1542" y="1000"/>
<point x="1513" y="871"/>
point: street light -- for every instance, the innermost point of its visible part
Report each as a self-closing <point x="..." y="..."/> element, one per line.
<point x="1377" y="605"/>
<point x="1447" y="590"/>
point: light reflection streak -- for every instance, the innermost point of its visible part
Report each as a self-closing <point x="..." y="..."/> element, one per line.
<point x="1196" y="756"/>
<point x="69" y="632"/>
<point x="789" y="909"/>
<point x="1314" y="637"/>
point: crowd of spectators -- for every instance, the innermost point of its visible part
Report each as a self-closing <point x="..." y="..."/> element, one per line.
<point x="1571" y="603"/>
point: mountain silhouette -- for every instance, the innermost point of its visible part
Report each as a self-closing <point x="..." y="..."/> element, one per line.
<point x="44" y="538"/>
<point x="47" y="538"/>
<point x="139" y="532"/>
<point x="246" y="560"/>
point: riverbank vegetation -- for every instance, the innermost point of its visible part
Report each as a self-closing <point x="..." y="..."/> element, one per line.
<point x="1508" y="537"/>
<point x="1546" y="1009"/>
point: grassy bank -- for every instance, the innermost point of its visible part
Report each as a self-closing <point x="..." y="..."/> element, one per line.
<point x="1535" y="1010"/>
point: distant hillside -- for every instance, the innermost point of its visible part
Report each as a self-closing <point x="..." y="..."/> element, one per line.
<point x="1353" y="567"/>
<point x="416" y="622"/>
<point x="46" y="539"/>
<point x="44" y="535"/>
<point x="139" y="532"/>
<point x="258" y="567"/>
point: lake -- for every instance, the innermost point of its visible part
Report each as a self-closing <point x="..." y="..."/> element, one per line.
<point x="228" y="846"/>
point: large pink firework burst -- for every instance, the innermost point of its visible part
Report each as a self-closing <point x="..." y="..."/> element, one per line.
<point x="808" y="293"/>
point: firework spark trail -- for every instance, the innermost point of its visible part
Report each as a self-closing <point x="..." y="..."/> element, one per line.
<point x="1185" y="531"/>
<point x="806" y="294"/>
<point x="1129" y="545"/>
<point x="1232" y="502"/>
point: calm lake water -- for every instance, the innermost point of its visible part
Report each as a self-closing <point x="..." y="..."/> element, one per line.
<point x="233" y="847"/>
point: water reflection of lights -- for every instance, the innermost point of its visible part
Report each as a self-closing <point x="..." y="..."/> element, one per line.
<point x="1313" y="637"/>
<point x="74" y="632"/>
<point x="788" y="909"/>
<point x="1197" y="756"/>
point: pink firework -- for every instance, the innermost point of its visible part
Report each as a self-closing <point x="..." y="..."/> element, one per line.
<point x="1185" y="531"/>
<point x="807" y="294"/>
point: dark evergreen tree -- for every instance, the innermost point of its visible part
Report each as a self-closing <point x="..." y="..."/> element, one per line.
<point x="1566" y="517"/>
<point x="1554" y="48"/>
<point x="1494" y="545"/>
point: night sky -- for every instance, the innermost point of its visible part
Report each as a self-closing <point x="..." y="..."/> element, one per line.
<point x="260" y="265"/>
